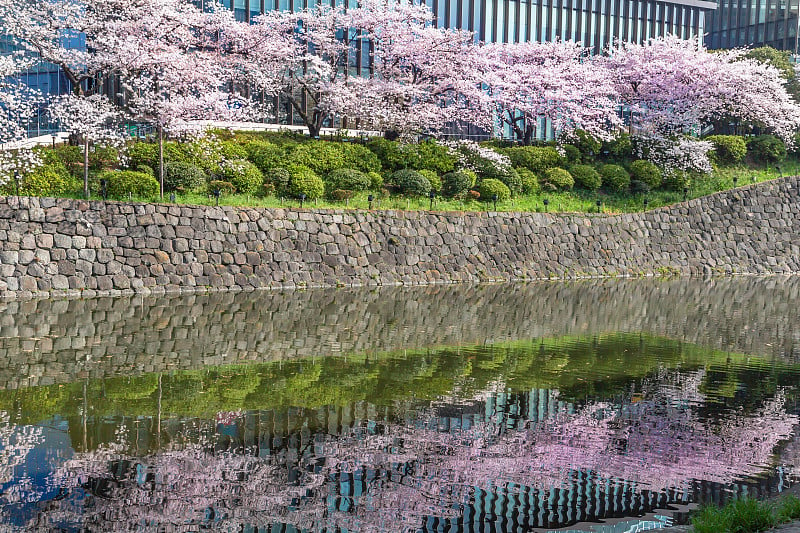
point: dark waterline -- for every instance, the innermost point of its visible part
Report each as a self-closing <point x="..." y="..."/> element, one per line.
<point x="459" y="408"/>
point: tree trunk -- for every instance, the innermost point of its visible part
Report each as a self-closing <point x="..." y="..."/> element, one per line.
<point x="86" y="166"/>
<point x="528" y="139"/>
<point x="161" y="160"/>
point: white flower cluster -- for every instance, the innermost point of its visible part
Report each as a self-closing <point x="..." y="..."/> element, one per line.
<point x="468" y="151"/>
<point x="672" y="154"/>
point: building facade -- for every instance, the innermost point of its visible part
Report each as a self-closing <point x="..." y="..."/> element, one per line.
<point x="595" y="23"/>
<point x="754" y="23"/>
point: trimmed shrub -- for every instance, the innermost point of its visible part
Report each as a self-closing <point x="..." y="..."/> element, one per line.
<point x="586" y="176"/>
<point x="411" y="182"/>
<point x="224" y="187"/>
<point x="615" y="177"/>
<point x="619" y="148"/>
<point x="180" y="176"/>
<point x="433" y="178"/>
<point x="146" y="169"/>
<point x="233" y="150"/>
<point x="728" y="149"/>
<point x="537" y="159"/>
<point x="677" y="180"/>
<point x="512" y="180"/>
<point x="428" y="155"/>
<point x="490" y="187"/>
<point x="766" y="149"/>
<point x="305" y="181"/>
<point x="279" y="177"/>
<point x="323" y="157"/>
<point x="49" y="179"/>
<point x="375" y="181"/>
<point x="558" y="178"/>
<point x="359" y="157"/>
<point x="264" y="155"/>
<point x="572" y="154"/>
<point x="588" y="145"/>
<point x="122" y="183"/>
<point x="529" y="181"/>
<point x="390" y="153"/>
<point x="244" y="175"/>
<point x="646" y="172"/>
<point x="347" y="179"/>
<point x="455" y="183"/>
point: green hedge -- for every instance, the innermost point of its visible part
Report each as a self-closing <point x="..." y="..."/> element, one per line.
<point x="182" y="176"/>
<point x="615" y="177"/>
<point x="586" y="176"/>
<point x="558" y="178"/>
<point x="537" y="159"/>
<point x="347" y="179"/>
<point x="529" y="181"/>
<point x="49" y="179"/>
<point x="730" y="149"/>
<point x="122" y="183"/>
<point x="304" y="180"/>
<point x="458" y="182"/>
<point x="490" y="187"/>
<point x="411" y="182"/>
<point x="323" y="157"/>
<point x="265" y="155"/>
<point x="766" y="149"/>
<point x="243" y="174"/>
<point x="646" y="172"/>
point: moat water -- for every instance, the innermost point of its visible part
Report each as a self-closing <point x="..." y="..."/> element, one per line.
<point x="603" y="406"/>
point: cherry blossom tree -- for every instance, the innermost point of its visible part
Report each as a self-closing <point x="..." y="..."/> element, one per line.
<point x="414" y="77"/>
<point x="422" y="77"/>
<point x="555" y="81"/>
<point x="93" y="118"/>
<point x="17" y="104"/>
<point x="170" y="60"/>
<point x="52" y="30"/>
<point x="673" y="85"/>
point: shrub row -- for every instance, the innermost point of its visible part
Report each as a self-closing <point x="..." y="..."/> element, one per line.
<point x="289" y="166"/>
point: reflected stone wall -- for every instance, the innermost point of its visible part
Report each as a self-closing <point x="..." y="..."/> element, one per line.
<point x="78" y="247"/>
<point x="53" y="341"/>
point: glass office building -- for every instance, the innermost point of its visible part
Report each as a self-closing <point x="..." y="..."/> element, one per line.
<point x="737" y="23"/>
<point x="595" y="23"/>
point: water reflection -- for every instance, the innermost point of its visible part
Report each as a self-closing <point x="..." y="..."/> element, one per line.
<point x="541" y="413"/>
<point x="473" y="450"/>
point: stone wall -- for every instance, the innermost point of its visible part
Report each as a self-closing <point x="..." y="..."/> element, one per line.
<point x="50" y="245"/>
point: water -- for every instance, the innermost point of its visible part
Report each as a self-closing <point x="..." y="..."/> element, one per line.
<point x="602" y="406"/>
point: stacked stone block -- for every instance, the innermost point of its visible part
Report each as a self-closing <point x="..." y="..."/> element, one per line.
<point x="69" y="246"/>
